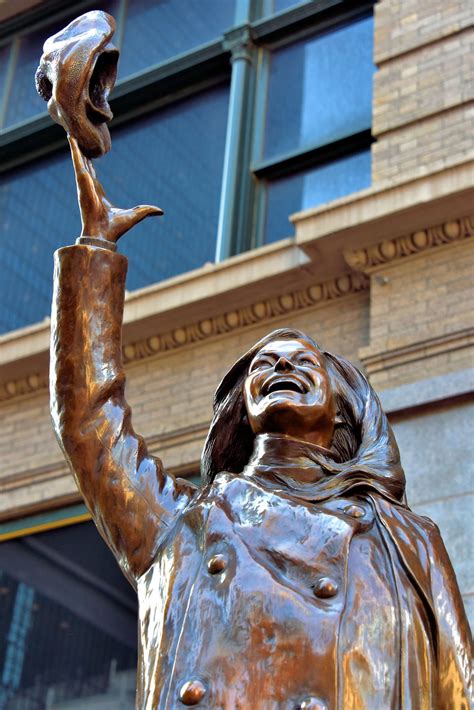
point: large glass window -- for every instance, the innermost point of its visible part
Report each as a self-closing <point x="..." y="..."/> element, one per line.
<point x="320" y="89"/>
<point x="156" y="31"/>
<point x="316" y="144"/>
<point x="297" y="136"/>
<point x="311" y="188"/>
<point x="172" y="158"/>
<point x="68" y="623"/>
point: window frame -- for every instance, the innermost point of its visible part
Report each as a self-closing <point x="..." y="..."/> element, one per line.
<point x="242" y="210"/>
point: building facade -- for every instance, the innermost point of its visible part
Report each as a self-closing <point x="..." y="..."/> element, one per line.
<point x="315" y="162"/>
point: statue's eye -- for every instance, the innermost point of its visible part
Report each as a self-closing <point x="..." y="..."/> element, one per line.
<point x="259" y="364"/>
<point x="308" y="360"/>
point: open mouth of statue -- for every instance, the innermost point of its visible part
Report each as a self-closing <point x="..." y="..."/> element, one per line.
<point x="100" y="84"/>
<point x="284" y="385"/>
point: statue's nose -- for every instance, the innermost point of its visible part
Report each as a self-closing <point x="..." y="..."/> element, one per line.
<point x="283" y="365"/>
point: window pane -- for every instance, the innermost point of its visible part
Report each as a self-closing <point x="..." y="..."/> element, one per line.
<point x="68" y="623"/>
<point x="320" y="89"/>
<point x="155" y="31"/>
<point x="172" y="158"/>
<point x="312" y="188"/>
<point x="278" y="5"/>
<point x="24" y="102"/>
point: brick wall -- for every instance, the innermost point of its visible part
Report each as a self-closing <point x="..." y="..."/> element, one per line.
<point x="421" y="316"/>
<point x="423" y="115"/>
<point x="169" y="394"/>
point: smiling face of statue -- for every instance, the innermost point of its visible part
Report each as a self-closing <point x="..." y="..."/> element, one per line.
<point x="288" y="391"/>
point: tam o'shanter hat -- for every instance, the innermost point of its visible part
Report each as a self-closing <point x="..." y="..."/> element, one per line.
<point x="76" y="73"/>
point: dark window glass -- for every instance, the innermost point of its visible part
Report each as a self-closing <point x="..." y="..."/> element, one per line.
<point x="322" y="184"/>
<point x="172" y="158"/>
<point x="155" y="31"/>
<point x="24" y="102"/>
<point x="68" y="623"/>
<point x="320" y="89"/>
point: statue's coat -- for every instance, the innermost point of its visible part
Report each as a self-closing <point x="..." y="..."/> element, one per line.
<point x="263" y="599"/>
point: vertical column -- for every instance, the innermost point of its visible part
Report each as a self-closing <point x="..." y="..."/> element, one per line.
<point x="236" y="196"/>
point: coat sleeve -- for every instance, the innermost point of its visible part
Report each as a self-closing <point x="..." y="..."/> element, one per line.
<point x="454" y="635"/>
<point x="131" y="498"/>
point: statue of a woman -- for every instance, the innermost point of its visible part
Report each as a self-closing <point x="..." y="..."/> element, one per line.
<point x="297" y="576"/>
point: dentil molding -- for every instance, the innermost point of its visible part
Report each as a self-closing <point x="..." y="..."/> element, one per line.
<point x="373" y="257"/>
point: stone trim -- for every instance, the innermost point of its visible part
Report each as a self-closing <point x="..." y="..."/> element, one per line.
<point x="379" y="255"/>
<point x="24" y="386"/>
<point x="240" y="318"/>
<point x="227" y="322"/>
<point x="376" y="361"/>
<point x="432" y="390"/>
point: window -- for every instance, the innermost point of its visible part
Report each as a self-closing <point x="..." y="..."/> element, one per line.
<point x="229" y="114"/>
<point x="317" y="124"/>
<point x="68" y="623"/>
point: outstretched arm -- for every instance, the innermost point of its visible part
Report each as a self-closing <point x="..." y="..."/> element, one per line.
<point x="132" y="500"/>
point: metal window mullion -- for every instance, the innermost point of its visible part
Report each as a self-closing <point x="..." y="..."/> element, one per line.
<point x="257" y="226"/>
<point x="12" y="62"/>
<point x="236" y="192"/>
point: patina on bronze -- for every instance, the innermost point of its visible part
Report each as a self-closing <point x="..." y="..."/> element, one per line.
<point x="297" y="576"/>
<point x="76" y="74"/>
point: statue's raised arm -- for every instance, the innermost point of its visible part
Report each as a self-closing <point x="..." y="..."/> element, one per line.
<point x="131" y="498"/>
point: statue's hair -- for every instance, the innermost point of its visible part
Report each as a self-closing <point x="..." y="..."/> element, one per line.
<point x="364" y="452"/>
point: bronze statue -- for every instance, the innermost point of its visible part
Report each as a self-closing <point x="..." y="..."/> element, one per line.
<point x="297" y="576"/>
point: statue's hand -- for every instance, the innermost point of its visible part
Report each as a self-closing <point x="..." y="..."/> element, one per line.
<point x="100" y="219"/>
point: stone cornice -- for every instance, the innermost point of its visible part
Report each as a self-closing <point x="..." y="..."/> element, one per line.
<point x="238" y="318"/>
<point x="24" y="386"/>
<point x="379" y="255"/>
<point x="376" y="359"/>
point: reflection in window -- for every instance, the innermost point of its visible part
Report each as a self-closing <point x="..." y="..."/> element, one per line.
<point x="320" y="89"/>
<point x="309" y="189"/>
<point x="68" y="625"/>
<point x="172" y="158"/>
<point x="155" y="31"/>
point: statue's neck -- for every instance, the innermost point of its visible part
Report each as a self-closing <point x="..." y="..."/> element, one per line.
<point x="280" y="453"/>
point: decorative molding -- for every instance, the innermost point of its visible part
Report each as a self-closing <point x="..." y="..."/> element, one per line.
<point x="247" y="316"/>
<point x="368" y="259"/>
<point x="25" y="385"/>
<point x="239" y="318"/>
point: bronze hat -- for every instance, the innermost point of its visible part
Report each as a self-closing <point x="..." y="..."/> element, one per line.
<point x="76" y="73"/>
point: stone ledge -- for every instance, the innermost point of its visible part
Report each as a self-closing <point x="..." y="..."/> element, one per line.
<point x="429" y="391"/>
<point x="387" y="210"/>
<point x="378" y="357"/>
<point x="180" y="300"/>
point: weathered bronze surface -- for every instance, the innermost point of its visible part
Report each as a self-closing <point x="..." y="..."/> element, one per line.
<point x="297" y="576"/>
<point x="76" y="74"/>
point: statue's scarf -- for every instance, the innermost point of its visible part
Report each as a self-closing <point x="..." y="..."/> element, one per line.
<point x="299" y="469"/>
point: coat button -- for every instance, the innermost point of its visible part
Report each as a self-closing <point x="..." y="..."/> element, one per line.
<point x="324" y="589"/>
<point x="217" y="564"/>
<point x="354" y="511"/>
<point x="192" y="692"/>
<point x="312" y="704"/>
